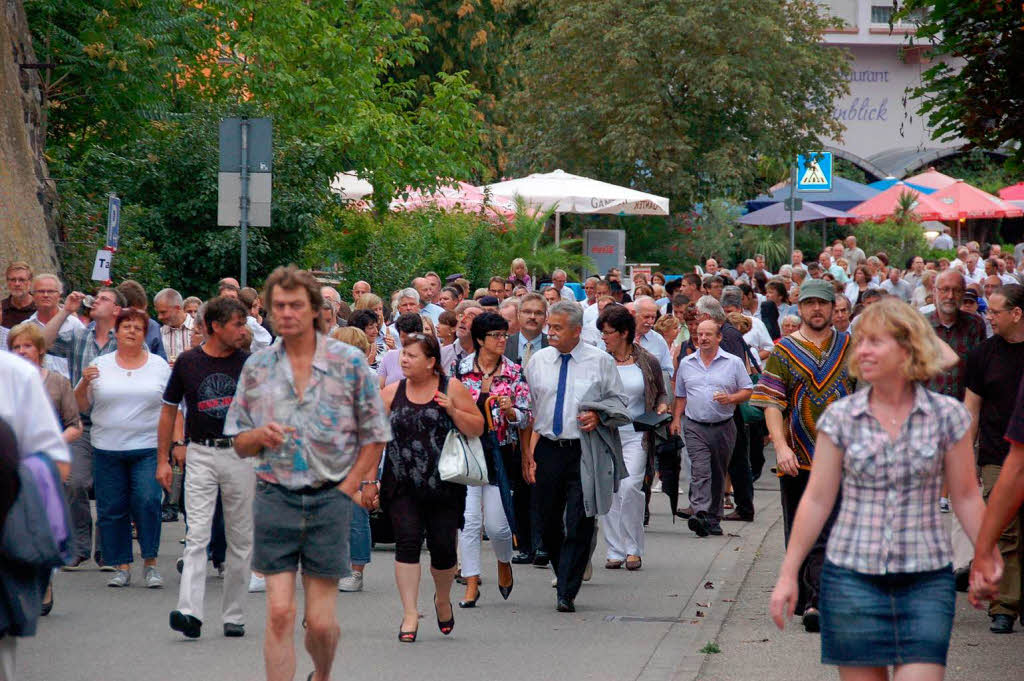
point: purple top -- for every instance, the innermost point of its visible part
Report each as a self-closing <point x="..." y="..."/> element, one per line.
<point x="389" y="368"/>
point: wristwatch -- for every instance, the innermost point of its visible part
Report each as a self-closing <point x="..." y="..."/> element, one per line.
<point x="178" y="443"/>
<point x="368" y="482"/>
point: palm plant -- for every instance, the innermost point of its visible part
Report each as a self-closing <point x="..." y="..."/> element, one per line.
<point x="523" y="237"/>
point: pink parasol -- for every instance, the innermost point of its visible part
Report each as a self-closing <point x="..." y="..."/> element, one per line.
<point x="882" y="206"/>
<point x="931" y="178"/>
<point x="460" y="196"/>
<point x="971" y="203"/>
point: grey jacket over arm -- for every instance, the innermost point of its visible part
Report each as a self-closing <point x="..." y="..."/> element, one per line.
<point x="601" y="463"/>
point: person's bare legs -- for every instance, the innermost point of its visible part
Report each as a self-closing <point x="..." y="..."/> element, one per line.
<point x="322" y="630"/>
<point x="863" y="674"/>
<point x="407" y="577"/>
<point x="443" y="580"/>
<point x="279" y="643"/>
<point x="919" y="672"/>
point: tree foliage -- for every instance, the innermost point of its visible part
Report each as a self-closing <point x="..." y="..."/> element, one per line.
<point x="972" y="90"/>
<point x="669" y="96"/>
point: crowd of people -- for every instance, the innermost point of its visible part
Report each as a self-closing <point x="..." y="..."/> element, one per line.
<point x="294" y="427"/>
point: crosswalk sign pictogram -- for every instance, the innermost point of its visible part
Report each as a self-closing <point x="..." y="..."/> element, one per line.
<point x="814" y="172"/>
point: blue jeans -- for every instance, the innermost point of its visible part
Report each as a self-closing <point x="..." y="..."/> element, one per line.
<point x="127" y="490"/>
<point x="359" y="540"/>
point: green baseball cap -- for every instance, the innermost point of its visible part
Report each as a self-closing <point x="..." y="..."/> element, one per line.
<point x="817" y="288"/>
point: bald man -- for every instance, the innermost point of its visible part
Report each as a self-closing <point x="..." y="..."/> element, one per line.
<point x="359" y="289"/>
<point x="425" y="288"/>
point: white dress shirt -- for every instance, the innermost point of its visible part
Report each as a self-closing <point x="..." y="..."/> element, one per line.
<point x="654" y="343"/>
<point x="588" y="365"/>
<point x="260" y="337"/>
<point x="758" y="337"/>
<point x="567" y="294"/>
<point x="27" y="410"/>
<point x="697" y="383"/>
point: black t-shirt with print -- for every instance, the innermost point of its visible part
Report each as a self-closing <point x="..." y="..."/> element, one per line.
<point x="207" y="385"/>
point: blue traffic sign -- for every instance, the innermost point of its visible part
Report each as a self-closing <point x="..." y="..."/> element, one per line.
<point x="113" y="222"/>
<point x="814" y="172"/>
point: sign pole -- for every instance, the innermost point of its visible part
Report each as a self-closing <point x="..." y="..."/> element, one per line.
<point x="244" y="201"/>
<point x="792" y="208"/>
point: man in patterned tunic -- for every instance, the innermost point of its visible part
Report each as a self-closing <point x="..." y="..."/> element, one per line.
<point x="805" y="373"/>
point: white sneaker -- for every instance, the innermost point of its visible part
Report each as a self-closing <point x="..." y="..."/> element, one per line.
<point x="554" y="583"/>
<point x="257" y="584"/>
<point x="588" y="572"/>
<point x="944" y="504"/>
<point x="352" y="583"/>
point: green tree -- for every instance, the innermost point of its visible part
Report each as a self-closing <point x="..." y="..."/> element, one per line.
<point x="972" y="89"/>
<point x="670" y="96"/>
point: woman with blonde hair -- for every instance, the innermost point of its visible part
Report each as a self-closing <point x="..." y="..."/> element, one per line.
<point x="519" y="276"/>
<point x="887" y="588"/>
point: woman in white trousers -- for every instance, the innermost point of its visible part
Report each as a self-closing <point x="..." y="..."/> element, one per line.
<point x="644" y="388"/>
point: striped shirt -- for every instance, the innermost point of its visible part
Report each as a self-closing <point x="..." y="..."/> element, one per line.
<point x="80" y="347"/>
<point x="801" y="379"/>
<point x="888" y="519"/>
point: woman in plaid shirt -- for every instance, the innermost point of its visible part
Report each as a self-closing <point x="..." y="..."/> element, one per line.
<point x="887" y="592"/>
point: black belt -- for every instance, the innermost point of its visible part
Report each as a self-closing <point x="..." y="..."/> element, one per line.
<point x="216" y="442"/>
<point x="716" y="423"/>
<point x="565" y="444"/>
<point x="314" y="489"/>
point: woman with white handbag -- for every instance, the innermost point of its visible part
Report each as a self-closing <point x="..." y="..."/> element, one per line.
<point x="497" y="386"/>
<point x="425" y="408"/>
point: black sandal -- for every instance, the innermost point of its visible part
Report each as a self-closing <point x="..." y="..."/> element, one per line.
<point x="407" y="636"/>
<point x="445" y="627"/>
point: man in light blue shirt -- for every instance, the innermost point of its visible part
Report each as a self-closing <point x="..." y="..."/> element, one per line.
<point x="424" y="287"/>
<point x="645" y="309"/>
<point x="709" y="385"/>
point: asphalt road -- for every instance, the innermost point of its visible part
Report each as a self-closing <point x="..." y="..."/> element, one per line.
<point x="646" y="625"/>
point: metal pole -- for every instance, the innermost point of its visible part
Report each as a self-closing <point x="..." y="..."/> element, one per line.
<point x="244" y="201"/>
<point x="558" y="227"/>
<point x="792" y="223"/>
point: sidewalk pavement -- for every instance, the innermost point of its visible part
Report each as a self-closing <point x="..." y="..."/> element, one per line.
<point x="753" y="648"/>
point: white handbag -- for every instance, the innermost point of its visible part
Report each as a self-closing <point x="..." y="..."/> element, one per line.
<point x="462" y="460"/>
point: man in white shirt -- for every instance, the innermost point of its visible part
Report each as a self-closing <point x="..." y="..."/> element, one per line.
<point x="854" y="255"/>
<point x="895" y="286"/>
<point x="758" y="337"/>
<point x="46" y="292"/>
<point x="176" y="332"/>
<point x="913" y="277"/>
<point x="558" y="279"/>
<point x="645" y="309"/>
<point x="590" y="289"/>
<point x="559" y="377"/>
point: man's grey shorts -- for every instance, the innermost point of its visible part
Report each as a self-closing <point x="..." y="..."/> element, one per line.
<point x="291" y="527"/>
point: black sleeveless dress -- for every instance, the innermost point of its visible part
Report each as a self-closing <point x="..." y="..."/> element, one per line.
<point x="418" y="432"/>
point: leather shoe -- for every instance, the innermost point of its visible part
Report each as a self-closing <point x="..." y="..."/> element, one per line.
<point x="186" y="624"/>
<point x="715" y="531"/>
<point x="522" y="558"/>
<point x="565" y="605"/>
<point x="232" y="630"/>
<point x="736" y="515"/>
<point x="541" y="559"/>
<point x="1001" y="624"/>
<point x="699" y="524"/>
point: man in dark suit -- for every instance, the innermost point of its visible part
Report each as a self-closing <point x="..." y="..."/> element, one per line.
<point x="533" y="312"/>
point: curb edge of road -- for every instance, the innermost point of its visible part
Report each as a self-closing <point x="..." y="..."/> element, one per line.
<point x="728" y="574"/>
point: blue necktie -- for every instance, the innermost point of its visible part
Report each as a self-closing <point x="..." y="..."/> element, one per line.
<point x="560" y="397"/>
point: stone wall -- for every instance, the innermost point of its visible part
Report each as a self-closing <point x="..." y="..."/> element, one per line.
<point x="27" y="196"/>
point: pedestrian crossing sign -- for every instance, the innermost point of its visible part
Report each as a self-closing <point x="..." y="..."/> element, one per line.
<point x="814" y="172"/>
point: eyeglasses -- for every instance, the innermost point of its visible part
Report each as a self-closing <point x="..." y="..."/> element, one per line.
<point x="945" y="290"/>
<point x="499" y="335"/>
<point x="993" y="312"/>
<point x="609" y="332"/>
<point x="18" y="280"/>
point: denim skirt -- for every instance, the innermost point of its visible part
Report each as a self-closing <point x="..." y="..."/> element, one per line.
<point x="880" y="620"/>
